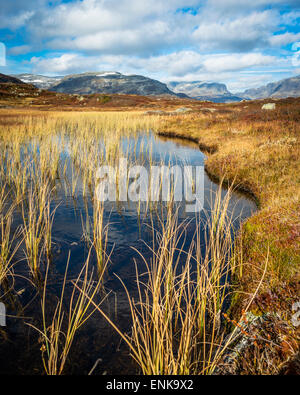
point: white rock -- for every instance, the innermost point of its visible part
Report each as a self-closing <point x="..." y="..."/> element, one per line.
<point x="183" y="110"/>
<point x="269" y="106"/>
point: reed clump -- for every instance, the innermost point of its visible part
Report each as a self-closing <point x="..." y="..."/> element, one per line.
<point x="46" y="160"/>
<point x="177" y="325"/>
<point x="59" y="330"/>
<point x="9" y="243"/>
<point x="37" y="227"/>
<point x="42" y="154"/>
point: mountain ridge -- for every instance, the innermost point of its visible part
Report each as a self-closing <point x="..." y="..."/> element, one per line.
<point x="288" y="87"/>
<point x="204" y="90"/>
<point x="108" y="82"/>
<point x="8" y="79"/>
<point x="38" y="80"/>
<point x="112" y="82"/>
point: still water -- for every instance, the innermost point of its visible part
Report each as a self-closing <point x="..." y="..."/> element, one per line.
<point x="128" y="232"/>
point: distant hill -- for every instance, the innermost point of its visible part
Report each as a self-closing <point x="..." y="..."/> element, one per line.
<point x="7" y="79"/>
<point x="111" y="83"/>
<point x="202" y="90"/>
<point x="100" y="82"/>
<point x="289" y="87"/>
<point x="40" y="81"/>
<point x="13" y="89"/>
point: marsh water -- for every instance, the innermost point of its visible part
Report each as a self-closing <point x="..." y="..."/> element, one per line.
<point x="128" y="234"/>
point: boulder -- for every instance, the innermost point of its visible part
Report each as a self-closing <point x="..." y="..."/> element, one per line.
<point x="269" y="106"/>
<point x="208" y="109"/>
<point x="183" y="110"/>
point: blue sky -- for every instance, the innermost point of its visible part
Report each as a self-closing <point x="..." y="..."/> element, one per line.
<point x="244" y="44"/>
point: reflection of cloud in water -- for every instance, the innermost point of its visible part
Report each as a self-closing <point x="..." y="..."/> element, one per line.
<point x="126" y="228"/>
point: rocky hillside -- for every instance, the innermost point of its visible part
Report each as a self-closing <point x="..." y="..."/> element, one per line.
<point x="289" y="87"/>
<point x="14" y="91"/>
<point x="111" y="83"/>
<point x="117" y="83"/>
<point x="40" y="81"/>
<point x="7" y="79"/>
<point x="201" y="90"/>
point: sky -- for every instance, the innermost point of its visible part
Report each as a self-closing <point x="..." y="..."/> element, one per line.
<point x="242" y="43"/>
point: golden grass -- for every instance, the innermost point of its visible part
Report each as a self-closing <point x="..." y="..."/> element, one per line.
<point x="177" y="318"/>
<point x="259" y="151"/>
<point x="59" y="330"/>
<point x="36" y="151"/>
<point x="8" y="247"/>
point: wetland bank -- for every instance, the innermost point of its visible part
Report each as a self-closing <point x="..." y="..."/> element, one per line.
<point x="135" y="287"/>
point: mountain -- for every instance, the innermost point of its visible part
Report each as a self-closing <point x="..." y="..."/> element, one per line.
<point x="289" y="87"/>
<point x="14" y="90"/>
<point x="40" y="81"/>
<point x="202" y="90"/>
<point x="110" y="83"/>
<point x="7" y="79"/>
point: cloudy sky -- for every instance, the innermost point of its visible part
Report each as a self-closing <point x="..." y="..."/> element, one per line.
<point x="243" y="43"/>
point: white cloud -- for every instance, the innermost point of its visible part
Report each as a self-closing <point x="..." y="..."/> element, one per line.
<point x="115" y="26"/>
<point x="235" y="62"/>
<point x="59" y="64"/>
<point x="156" y="38"/>
<point x="93" y="16"/>
<point x="143" y="40"/>
<point x="243" y="33"/>
<point x="15" y="21"/>
<point x="284" y="39"/>
<point x="177" y="64"/>
<point x="18" y="13"/>
<point x="174" y="64"/>
<point x="137" y="27"/>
